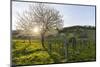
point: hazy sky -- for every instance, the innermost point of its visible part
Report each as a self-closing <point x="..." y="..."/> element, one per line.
<point x="72" y="14"/>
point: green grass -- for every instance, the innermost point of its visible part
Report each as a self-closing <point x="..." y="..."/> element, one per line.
<point x="25" y="54"/>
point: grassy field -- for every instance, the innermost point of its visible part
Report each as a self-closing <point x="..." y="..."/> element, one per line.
<point x="24" y="53"/>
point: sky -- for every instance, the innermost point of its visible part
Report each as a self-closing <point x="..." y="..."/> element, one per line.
<point x="72" y="14"/>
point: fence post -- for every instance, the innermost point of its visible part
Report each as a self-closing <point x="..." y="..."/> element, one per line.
<point x="65" y="49"/>
<point x="50" y="46"/>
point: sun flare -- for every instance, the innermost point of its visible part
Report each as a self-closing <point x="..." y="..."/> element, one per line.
<point x="36" y="30"/>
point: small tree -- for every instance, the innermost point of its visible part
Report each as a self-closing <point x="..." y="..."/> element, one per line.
<point x="25" y="26"/>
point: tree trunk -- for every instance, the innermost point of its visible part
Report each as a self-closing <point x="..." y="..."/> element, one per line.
<point x="29" y="41"/>
<point x="42" y="41"/>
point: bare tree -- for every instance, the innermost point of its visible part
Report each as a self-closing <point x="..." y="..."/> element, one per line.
<point x="24" y="25"/>
<point x="45" y="17"/>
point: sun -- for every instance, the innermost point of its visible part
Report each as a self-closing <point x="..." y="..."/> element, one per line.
<point x="36" y="30"/>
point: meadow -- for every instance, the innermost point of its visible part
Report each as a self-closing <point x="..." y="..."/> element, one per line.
<point x="24" y="53"/>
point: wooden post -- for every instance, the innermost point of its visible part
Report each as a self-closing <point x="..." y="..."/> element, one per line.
<point x="49" y="45"/>
<point x="65" y="49"/>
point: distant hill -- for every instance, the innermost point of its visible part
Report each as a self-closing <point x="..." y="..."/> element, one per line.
<point x="78" y="28"/>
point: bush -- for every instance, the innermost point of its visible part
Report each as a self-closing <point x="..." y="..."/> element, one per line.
<point x="56" y="57"/>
